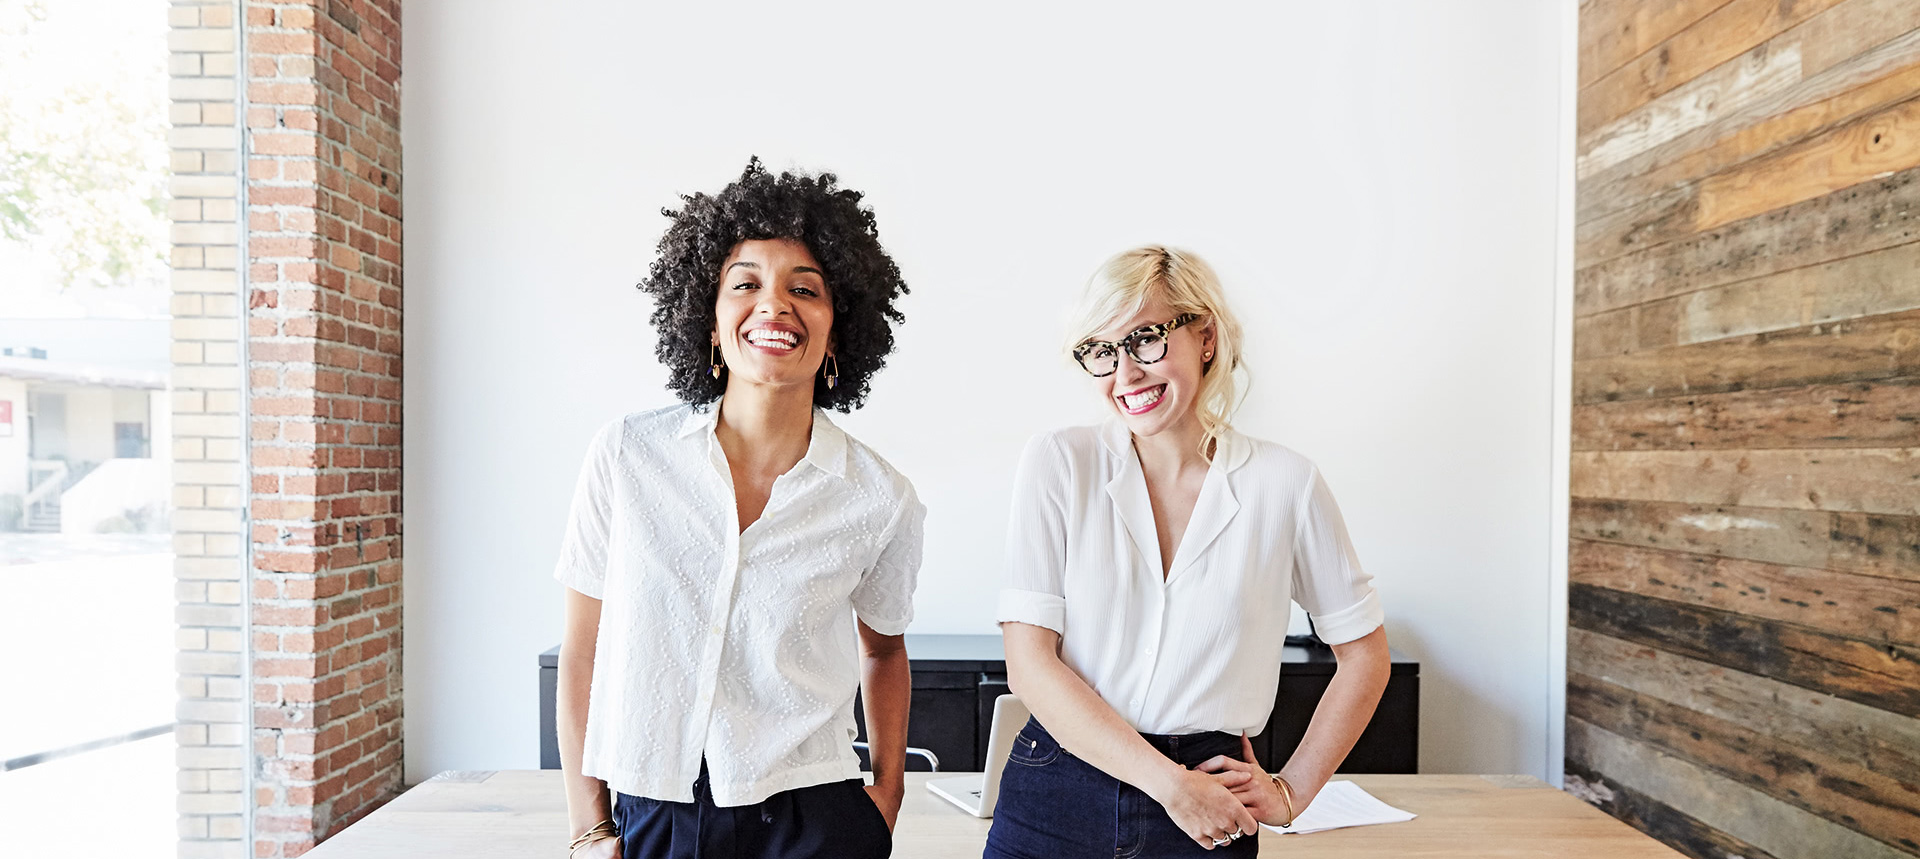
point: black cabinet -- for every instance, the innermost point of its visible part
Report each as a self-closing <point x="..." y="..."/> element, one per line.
<point x="1391" y="742"/>
<point x="957" y="677"/>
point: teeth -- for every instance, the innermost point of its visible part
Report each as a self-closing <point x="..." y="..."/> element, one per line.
<point x="1135" y="402"/>
<point x="771" y="337"/>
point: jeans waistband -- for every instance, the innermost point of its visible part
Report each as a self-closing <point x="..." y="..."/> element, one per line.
<point x="1186" y="750"/>
<point x="1191" y="749"/>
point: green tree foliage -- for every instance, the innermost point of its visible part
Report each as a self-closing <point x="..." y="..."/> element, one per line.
<point x="83" y="147"/>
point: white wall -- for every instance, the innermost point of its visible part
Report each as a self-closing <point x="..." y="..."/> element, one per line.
<point x="90" y="415"/>
<point x="1375" y="181"/>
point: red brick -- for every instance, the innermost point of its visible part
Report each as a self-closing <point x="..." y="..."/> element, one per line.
<point x="295" y="616"/>
<point x="274" y="143"/>
<point x="265" y="247"/>
<point x="283" y="195"/>
<point x="296" y="19"/>
<point x="285" y="43"/>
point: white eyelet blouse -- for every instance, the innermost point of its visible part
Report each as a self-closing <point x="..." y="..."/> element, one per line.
<point x="1199" y="651"/>
<point x="739" y="648"/>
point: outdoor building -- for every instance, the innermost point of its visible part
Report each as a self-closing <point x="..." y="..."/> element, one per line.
<point x="67" y="429"/>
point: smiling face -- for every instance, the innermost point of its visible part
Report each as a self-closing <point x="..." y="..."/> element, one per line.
<point x="773" y="318"/>
<point x="1152" y="398"/>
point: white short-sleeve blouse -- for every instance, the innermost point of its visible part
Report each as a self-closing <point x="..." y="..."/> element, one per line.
<point x="1199" y="650"/>
<point x="736" y="647"/>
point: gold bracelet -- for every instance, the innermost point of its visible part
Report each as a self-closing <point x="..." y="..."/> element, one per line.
<point x="1286" y="793"/>
<point x="602" y="836"/>
<point x="604" y="827"/>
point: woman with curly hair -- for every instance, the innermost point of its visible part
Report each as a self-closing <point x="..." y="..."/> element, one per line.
<point x="1150" y="563"/>
<point x="721" y="553"/>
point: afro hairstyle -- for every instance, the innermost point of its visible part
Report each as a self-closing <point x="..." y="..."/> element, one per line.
<point x="862" y="280"/>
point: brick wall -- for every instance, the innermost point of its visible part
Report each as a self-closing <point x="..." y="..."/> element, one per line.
<point x="209" y="558"/>
<point x="323" y="328"/>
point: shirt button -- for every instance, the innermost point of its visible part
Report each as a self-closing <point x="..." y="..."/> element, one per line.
<point x="1134" y="703"/>
<point x="1149" y="651"/>
<point x="718" y="630"/>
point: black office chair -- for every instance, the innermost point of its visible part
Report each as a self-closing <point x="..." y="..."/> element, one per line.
<point x="933" y="762"/>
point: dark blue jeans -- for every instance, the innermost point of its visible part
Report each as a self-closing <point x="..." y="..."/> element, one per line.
<point x="826" y="821"/>
<point x="1056" y="806"/>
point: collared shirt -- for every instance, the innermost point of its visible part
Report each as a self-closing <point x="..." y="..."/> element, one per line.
<point x="1199" y="650"/>
<point x="737" y="647"/>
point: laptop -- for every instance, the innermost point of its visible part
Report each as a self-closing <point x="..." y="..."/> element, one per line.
<point x="976" y="794"/>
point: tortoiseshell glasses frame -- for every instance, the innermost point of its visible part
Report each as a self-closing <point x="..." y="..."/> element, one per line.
<point x="1146" y="345"/>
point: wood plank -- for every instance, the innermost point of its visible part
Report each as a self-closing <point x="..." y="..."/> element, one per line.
<point x="1867" y="217"/>
<point x="1870" y="608"/>
<point x="1885" y="346"/>
<point x="1855" y="26"/>
<point x="1879" y="282"/>
<point x="1610" y="332"/>
<point x="1748" y="79"/>
<point x="1668" y="207"/>
<point x="1662" y="215"/>
<point x="1740" y="811"/>
<point x="1853" y="414"/>
<point x="1721" y="35"/>
<point x="1884" y="142"/>
<point x="1869" y="81"/>
<point x="1652" y="325"/>
<point x="1853" y="542"/>
<point x="1886" y="743"/>
<point x="1682" y="832"/>
<point x="1866" y="285"/>
<point x="1615" y="31"/>
<point x="1886" y="677"/>
<point x="1802" y="776"/>
<point x="1870" y="480"/>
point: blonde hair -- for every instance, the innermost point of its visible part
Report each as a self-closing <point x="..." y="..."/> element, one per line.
<point x="1128" y="280"/>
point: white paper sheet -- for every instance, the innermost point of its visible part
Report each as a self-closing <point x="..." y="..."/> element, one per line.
<point x="1341" y="804"/>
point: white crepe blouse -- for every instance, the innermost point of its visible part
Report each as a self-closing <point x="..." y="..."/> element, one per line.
<point x="734" y="647"/>
<point x="1199" y="650"/>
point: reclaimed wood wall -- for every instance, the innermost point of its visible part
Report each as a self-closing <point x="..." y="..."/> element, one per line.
<point x="1744" y="652"/>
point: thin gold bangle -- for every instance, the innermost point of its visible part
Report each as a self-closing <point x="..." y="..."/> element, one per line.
<point x="1286" y="793"/>
<point x="608" y="827"/>
<point x="603" y="835"/>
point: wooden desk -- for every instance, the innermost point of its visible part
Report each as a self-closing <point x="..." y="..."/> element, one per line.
<point x="522" y="813"/>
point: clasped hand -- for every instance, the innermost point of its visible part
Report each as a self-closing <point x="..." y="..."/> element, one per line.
<point x="1220" y="797"/>
<point x="1249" y="784"/>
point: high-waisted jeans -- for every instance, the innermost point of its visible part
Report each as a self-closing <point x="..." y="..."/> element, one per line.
<point x="1056" y="806"/>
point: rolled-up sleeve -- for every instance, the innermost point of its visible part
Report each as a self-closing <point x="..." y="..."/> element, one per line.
<point x="1034" y="589"/>
<point x="884" y="598"/>
<point x="1327" y="579"/>
<point x="583" y="548"/>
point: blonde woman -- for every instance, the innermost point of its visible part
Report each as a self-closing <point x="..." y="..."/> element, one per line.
<point x="1151" y="561"/>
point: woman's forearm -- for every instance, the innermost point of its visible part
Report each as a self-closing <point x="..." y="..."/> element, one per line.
<point x="1341" y="716"/>
<point x="587" y="799"/>
<point x="886" y="686"/>
<point x="1076" y="715"/>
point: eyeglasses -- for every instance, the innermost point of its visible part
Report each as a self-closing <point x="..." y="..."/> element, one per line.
<point x="1145" y="345"/>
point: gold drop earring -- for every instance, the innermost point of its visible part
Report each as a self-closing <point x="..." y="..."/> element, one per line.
<point x="833" y="376"/>
<point x="713" y="357"/>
